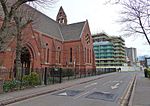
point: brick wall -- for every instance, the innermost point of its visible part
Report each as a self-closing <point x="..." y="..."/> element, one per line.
<point x="1" y="85"/>
<point x="45" y="51"/>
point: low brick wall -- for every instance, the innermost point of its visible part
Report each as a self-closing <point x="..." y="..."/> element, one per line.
<point x="6" y="74"/>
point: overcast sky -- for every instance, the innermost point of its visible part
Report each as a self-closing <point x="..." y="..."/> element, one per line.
<point x="102" y="18"/>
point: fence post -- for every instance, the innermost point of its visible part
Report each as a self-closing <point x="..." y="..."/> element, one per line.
<point x="45" y="76"/>
<point x="75" y="72"/>
<point x="85" y="73"/>
<point x="80" y="74"/>
<point x="68" y="74"/>
<point x="60" y="75"/>
<point x="53" y="74"/>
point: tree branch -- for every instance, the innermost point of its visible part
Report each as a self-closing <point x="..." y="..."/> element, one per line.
<point x="4" y="7"/>
<point x="24" y="25"/>
<point x="144" y="32"/>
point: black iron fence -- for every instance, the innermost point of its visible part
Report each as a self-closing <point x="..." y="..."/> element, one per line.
<point x="44" y="76"/>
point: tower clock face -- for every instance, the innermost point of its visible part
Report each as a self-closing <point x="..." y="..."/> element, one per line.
<point x="87" y="38"/>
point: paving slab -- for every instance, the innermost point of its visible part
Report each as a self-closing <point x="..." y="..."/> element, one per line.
<point x="141" y="93"/>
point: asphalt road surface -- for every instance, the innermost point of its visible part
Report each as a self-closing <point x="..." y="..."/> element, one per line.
<point x="106" y="91"/>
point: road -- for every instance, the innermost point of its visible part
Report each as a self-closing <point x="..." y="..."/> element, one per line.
<point x="106" y="91"/>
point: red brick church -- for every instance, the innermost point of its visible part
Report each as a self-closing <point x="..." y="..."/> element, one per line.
<point x="50" y="43"/>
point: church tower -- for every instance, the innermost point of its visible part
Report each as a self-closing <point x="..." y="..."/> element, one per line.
<point x="61" y="17"/>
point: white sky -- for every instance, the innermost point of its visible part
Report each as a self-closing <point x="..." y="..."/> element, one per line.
<point x="101" y="18"/>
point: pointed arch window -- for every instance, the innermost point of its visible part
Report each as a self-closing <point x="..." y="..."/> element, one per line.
<point x="85" y="55"/>
<point x="87" y="39"/>
<point x="48" y="55"/>
<point x="70" y="54"/>
<point x="58" y="54"/>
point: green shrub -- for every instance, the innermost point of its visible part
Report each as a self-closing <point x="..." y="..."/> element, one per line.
<point x="7" y="86"/>
<point x="10" y="85"/>
<point x="148" y="72"/>
<point x="31" y="79"/>
<point x="15" y="83"/>
<point x="26" y="80"/>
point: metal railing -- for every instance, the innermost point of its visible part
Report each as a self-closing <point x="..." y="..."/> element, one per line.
<point x="45" y="76"/>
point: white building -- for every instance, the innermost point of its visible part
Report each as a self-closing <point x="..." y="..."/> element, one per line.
<point x="131" y="53"/>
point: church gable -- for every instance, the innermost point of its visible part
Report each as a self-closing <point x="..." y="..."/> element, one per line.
<point x="86" y="36"/>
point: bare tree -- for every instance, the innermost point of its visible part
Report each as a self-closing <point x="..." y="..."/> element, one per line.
<point x="135" y="15"/>
<point x="9" y="9"/>
<point x="15" y="16"/>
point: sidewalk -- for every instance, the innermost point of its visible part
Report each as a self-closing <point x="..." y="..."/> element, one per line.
<point x="141" y="93"/>
<point x="8" y="98"/>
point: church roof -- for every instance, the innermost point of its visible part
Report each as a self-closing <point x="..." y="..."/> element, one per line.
<point x="50" y="27"/>
<point x="45" y="24"/>
<point x="72" y="31"/>
<point x="63" y="32"/>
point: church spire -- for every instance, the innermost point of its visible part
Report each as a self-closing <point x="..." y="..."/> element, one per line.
<point x="61" y="16"/>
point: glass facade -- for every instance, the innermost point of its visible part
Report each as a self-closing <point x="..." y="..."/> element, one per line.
<point x="104" y="53"/>
<point x="109" y="51"/>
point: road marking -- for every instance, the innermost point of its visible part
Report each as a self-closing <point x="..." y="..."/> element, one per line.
<point x="63" y="94"/>
<point x="84" y="93"/>
<point x="106" y="92"/>
<point x="91" y="85"/>
<point x="117" y="81"/>
<point x="115" y="86"/>
<point x="106" y="83"/>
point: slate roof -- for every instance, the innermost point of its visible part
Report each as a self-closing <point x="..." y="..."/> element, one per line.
<point x="45" y="24"/>
<point x="72" y="31"/>
<point x="48" y="26"/>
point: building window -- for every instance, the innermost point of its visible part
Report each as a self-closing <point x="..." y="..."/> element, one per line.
<point x="59" y="54"/>
<point x="45" y="55"/>
<point x="70" y="54"/>
<point x="85" y="54"/>
<point x="46" y="44"/>
<point x="59" y="57"/>
<point x="87" y="39"/>
<point x="60" y="13"/>
<point x="90" y="55"/>
<point x="48" y="55"/>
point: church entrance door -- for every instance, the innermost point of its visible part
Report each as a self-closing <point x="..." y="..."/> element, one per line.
<point x="25" y="60"/>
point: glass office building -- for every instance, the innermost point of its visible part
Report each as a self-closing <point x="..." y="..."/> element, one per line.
<point x="109" y="52"/>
